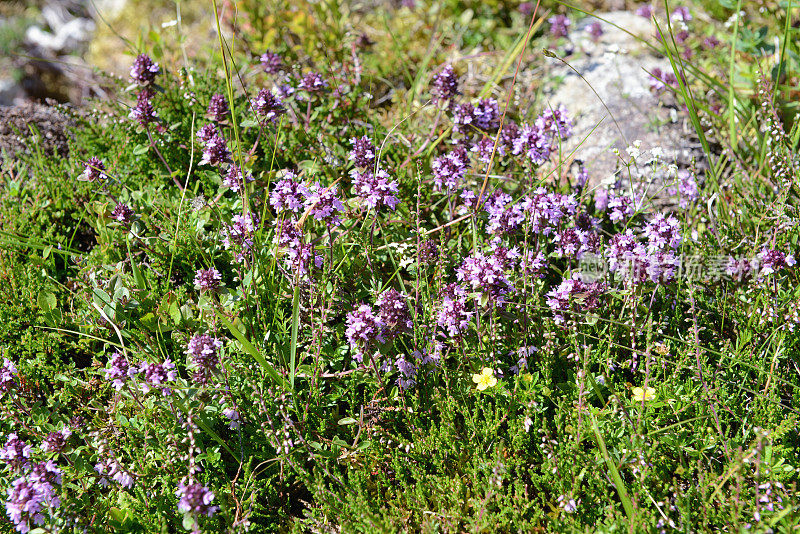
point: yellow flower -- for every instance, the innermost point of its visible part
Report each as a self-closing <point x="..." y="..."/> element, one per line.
<point x="640" y="394"/>
<point x="485" y="379"/>
<point x="527" y="377"/>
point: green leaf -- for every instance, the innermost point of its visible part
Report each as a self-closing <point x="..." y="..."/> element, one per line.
<point x="47" y="301"/>
<point x="250" y="349"/>
<point x="138" y="150"/>
<point x="347" y="421"/>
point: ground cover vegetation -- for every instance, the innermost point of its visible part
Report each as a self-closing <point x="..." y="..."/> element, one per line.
<point x="322" y="276"/>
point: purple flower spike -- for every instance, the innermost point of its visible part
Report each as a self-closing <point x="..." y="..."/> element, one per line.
<point x="207" y="279"/>
<point x="445" y="84"/>
<point x="268" y="105"/>
<point x="144" y="71"/>
<point x="95" y="170"/>
<point x="204" y="351"/>
<point x="364" y="330"/>
<point x="218" y="108"/>
<point x="271" y="62"/>
<point x="559" y="25"/>
<point x="195" y="499"/>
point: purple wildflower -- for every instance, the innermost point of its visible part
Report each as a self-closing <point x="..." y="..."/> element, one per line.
<point x="143" y="111"/>
<point x="95" y="170"/>
<point x="215" y="150"/>
<point x="445" y="84"/>
<point x="485" y="147"/>
<point x="288" y="194"/>
<point x="111" y="468"/>
<point x="574" y="295"/>
<point x="505" y="216"/>
<point x="324" y="204"/>
<point x="393" y="312"/>
<point x="156" y="375"/>
<point x="363" y="153"/>
<point x="144" y="71"/>
<point x="595" y="29"/>
<point x="375" y="189"/>
<point x="268" y="105"/>
<point x="621" y="207"/>
<point x="119" y="371"/>
<point x="546" y="210"/>
<point x="122" y="213"/>
<point x="659" y="80"/>
<point x="645" y="11"/>
<point x="207" y="279"/>
<point x="206" y="133"/>
<point x="449" y="170"/>
<point x="218" y="108"/>
<point x="453" y="315"/>
<point x="195" y="499"/>
<point x="773" y="260"/>
<point x="559" y="25"/>
<point x="681" y="14"/>
<point x="234" y="179"/>
<point x="663" y="232"/>
<point x="8" y="374"/>
<point x="16" y="452"/>
<point x="486" y="273"/>
<point x="532" y="143"/>
<point x="271" y="62"/>
<point x="204" y="351"/>
<point x="56" y="442"/>
<point x="407" y="372"/>
<point x="428" y="252"/>
<point x="533" y="264"/>
<point x="313" y="83"/>
<point x="686" y="189"/>
<point x="364" y="330"/>
<point x="741" y="269"/>
<point x="239" y="235"/>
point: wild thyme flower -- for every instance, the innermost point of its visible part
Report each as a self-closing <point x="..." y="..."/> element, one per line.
<point x="375" y="189"/>
<point x="267" y="105"/>
<point x="215" y="151"/>
<point x="741" y="269"/>
<point x="486" y="114"/>
<point x="574" y="242"/>
<point x="207" y="279"/>
<point x="686" y="189"/>
<point x="659" y="80"/>
<point x="555" y="122"/>
<point x="574" y="295"/>
<point x="364" y="330"/>
<point x="393" y="313"/>
<point x="206" y="133"/>
<point x="453" y="315"/>
<point x="120" y="371"/>
<point x="234" y="180"/>
<point x="143" y="111"/>
<point x="204" y="352"/>
<point x="95" y="170"/>
<point x="313" y="83"/>
<point x="8" y="373"/>
<point x="56" y="442"/>
<point x="595" y="29"/>
<point x="546" y="211"/>
<point x="271" y="62"/>
<point x="449" y="170"/>
<point x="195" y="499"/>
<point x="363" y="153"/>
<point x="29" y="503"/>
<point x="218" y="108"/>
<point x="532" y="143"/>
<point x="288" y="194"/>
<point x="533" y="263"/>
<point x="16" y="453"/>
<point x="157" y="375"/>
<point x="484" y="148"/>
<point x="645" y="11"/>
<point x="486" y="274"/>
<point x="144" y="71"/>
<point x="663" y="232"/>
<point x="407" y="372"/>
<point x="681" y="14"/>
<point x="505" y="216"/>
<point x="122" y="213"/>
<point x="559" y="25"/>
<point x="621" y="207"/>
<point x="110" y="468"/>
<point x="324" y="204"/>
<point x="238" y="236"/>
<point x="445" y="84"/>
<point x="773" y="260"/>
<point x="428" y="252"/>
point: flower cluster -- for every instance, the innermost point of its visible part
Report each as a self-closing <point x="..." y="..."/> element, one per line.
<point x="195" y="499"/>
<point x="56" y="442"/>
<point x="453" y="315"/>
<point x="574" y="295"/>
<point x="449" y="170"/>
<point x="364" y="331"/>
<point x="157" y="375"/>
<point x="207" y="279"/>
<point x="234" y="178"/>
<point x="773" y="260"/>
<point x="445" y="84"/>
<point x="288" y="194"/>
<point x="144" y="71"/>
<point x="120" y="371"/>
<point x="215" y="149"/>
<point x="363" y="153"/>
<point x="218" y="108"/>
<point x="393" y="313"/>
<point x="95" y="170"/>
<point x="122" y="213"/>
<point x="8" y="373"/>
<point x="238" y="235"/>
<point x="559" y="25"/>
<point x="324" y="204"/>
<point x="486" y="273"/>
<point x="267" y="105"/>
<point x="375" y="189"/>
<point x="143" y="111"/>
<point x="313" y="83"/>
<point x="271" y="62"/>
<point x="110" y="468"/>
<point x="204" y="352"/>
<point x="16" y="453"/>
<point x="31" y="498"/>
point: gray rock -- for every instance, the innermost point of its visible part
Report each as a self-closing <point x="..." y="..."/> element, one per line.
<point x="616" y="67"/>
